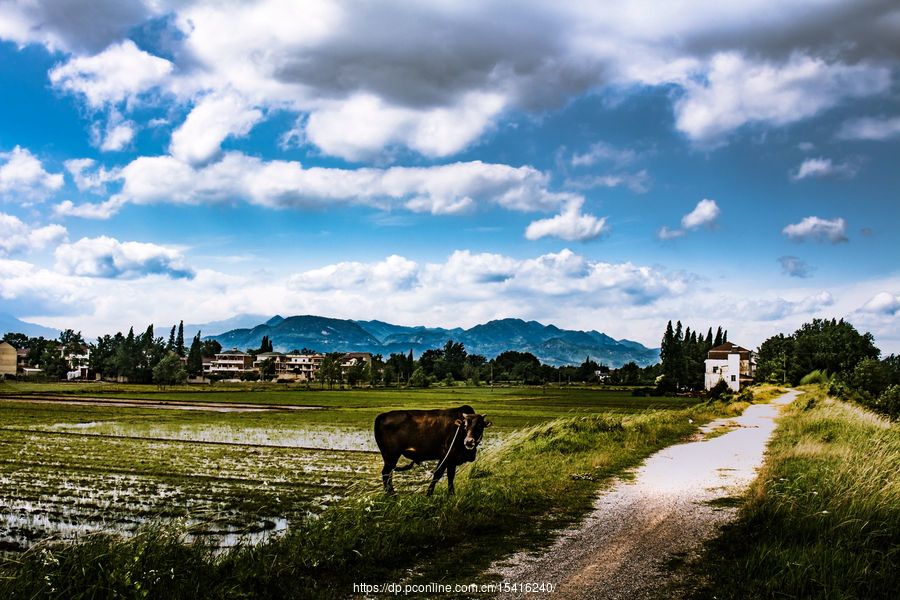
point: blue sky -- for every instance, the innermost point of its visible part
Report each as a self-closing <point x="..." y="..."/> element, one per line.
<point x="445" y="164"/>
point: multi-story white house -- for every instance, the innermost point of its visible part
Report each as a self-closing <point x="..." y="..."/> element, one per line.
<point x="731" y="363"/>
<point x="299" y="366"/>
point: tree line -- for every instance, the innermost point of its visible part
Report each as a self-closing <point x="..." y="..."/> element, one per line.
<point x="683" y="354"/>
<point x="835" y="353"/>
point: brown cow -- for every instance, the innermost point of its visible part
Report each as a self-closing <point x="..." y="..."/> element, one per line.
<point x="450" y="436"/>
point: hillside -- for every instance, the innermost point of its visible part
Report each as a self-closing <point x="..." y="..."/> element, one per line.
<point x="549" y="343"/>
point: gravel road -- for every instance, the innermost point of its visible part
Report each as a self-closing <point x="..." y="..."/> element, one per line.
<point x="620" y="549"/>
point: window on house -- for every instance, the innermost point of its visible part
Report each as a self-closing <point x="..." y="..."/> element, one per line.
<point x="715" y="369"/>
<point x="734" y="377"/>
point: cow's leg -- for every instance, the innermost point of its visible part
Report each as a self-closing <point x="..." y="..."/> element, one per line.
<point x="387" y="475"/>
<point x="437" y="477"/>
<point x="451" y="473"/>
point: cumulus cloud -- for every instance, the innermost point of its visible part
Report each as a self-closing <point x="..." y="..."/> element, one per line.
<point x="443" y="189"/>
<point x="376" y="125"/>
<point x="780" y="308"/>
<point x="115" y="135"/>
<point x="108" y="257"/>
<point x="212" y="119"/>
<point x="666" y="233"/>
<point x="22" y="174"/>
<point x="704" y="214"/>
<point x="360" y="89"/>
<point x="795" y="267"/>
<point x="819" y="230"/>
<point x="571" y="224"/>
<point x="824" y="167"/>
<point x="16" y="236"/>
<point x="736" y="91"/>
<point x="120" y="72"/>
<point x="870" y="128"/>
<point x="70" y="25"/>
<point x="88" y="176"/>
<point x="602" y="152"/>
<point x="883" y="303"/>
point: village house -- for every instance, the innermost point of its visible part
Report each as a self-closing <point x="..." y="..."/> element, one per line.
<point x="8" y="360"/>
<point x="302" y="367"/>
<point x="231" y="363"/>
<point x="730" y="363"/>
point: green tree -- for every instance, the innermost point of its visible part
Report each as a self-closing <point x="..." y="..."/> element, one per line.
<point x="195" y="357"/>
<point x="267" y="369"/>
<point x="16" y="340"/>
<point x="871" y="376"/>
<point x="179" y="340"/>
<point x="772" y="358"/>
<point x="418" y="378"/>
<point x="169" y="371"/>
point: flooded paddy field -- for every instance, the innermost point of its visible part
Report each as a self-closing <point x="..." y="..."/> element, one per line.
<point x="230" y="466"/>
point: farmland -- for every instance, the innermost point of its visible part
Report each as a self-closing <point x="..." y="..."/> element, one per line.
<point x="225" y="464"/>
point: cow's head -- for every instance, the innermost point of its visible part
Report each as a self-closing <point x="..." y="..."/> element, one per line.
<point x="473" y="426"/>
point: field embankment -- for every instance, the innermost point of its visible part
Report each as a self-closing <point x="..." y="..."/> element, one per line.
<point x="822" y="520"/>
<point x="543" y="476"/>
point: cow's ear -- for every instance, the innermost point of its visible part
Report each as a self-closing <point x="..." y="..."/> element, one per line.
<point x="458" y="422"/>
<point x="488" y="423"/>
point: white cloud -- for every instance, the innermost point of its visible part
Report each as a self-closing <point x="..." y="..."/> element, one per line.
<point x="375" y="125"/>
<point x="359" y="89"/>
<point x="823" y="167"/>
<point x="870" y="128"/>
<point x="22" y="174"/>
<point x="116" y="135"/>
<point x="665" y="233"/>
<point x="120" y="72"/>
<point x="816" y="229"/>
<point x="108" y="257"/>
<point x="571" y="224"/>
<point x="100" y="210"/>
<point x="705" y="213"/>
<point x="88" y="176"/>
<point x="638" y="182"/>
<point x="16" y="236"/>
<point x="213" y="119"/>
<point x="602" y="152"/>
<point x="443" y="189"/>
<point x="736" y="91"/>
<point x="883" y="303"/>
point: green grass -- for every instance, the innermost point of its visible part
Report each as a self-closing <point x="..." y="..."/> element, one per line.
<point x="823" y="518"/>
<point x="507" y="499"/>
<point x="73" y="468"/>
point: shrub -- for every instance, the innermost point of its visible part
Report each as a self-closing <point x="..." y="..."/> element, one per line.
<point x="889" y="402"/>
<point x="816" y="376"/>
<point x="719" y="390"/>
<point x="418" y="379"/>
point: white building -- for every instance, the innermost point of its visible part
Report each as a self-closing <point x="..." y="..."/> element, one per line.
<point x="731" y="363"/>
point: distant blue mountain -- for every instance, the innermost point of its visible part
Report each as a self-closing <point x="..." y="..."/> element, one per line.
<point x="549" y="343"/>
<point x="10" y="324"/>
<point x="246" y="321"/>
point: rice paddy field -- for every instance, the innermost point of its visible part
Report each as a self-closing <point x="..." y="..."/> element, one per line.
<point x="228" y="464"/>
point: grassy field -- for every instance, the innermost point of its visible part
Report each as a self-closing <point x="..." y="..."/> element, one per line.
<point x="823" y="518"/>
<point x="69" y="469"/>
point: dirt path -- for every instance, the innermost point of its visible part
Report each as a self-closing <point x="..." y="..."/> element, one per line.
<point x="620" y="549"/>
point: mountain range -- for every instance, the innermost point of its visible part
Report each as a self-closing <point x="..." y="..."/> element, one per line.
<point x="9" y="323"/>
<point x="552" y="345"/>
